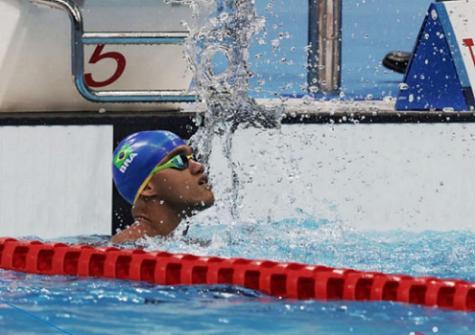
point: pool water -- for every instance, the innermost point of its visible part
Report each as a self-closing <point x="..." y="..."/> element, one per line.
<point x="32" y="304"/>
<point x="79" y="306"/>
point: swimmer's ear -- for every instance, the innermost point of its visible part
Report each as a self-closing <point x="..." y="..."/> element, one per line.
<point x="149" y="190"/>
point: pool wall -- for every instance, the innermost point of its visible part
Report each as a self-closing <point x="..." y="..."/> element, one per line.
<point x="367" y="176"/>
<point x="56" y="180"/>
<point x="55" y="173"/>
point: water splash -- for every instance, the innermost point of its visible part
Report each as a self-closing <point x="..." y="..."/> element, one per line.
<point x="224" y="30"/>
<point x="226" y="33"/>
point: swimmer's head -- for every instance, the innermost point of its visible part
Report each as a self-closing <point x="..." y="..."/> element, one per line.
<point x="136" y="157"/>
<point x="155" y="172"/>
<point x="159" y="166"/>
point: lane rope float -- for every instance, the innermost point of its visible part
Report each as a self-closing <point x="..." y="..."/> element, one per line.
<point x="285" y="280"/>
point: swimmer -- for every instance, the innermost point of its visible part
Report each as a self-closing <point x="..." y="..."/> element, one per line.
<point x="156" y="173"/>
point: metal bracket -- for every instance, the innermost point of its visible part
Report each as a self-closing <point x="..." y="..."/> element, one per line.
<point x="324" y="39"/>
<point x="79" y="38"/>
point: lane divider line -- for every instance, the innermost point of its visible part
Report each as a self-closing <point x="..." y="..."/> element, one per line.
<point x="37" y="318"/>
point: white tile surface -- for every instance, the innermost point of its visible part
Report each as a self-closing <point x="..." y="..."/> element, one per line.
<point x="55" y="181"/>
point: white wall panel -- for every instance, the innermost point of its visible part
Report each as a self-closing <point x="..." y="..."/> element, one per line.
<point x="370" y="177"/>
<point x="55" y="180"/>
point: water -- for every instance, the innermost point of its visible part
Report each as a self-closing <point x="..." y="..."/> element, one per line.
<point x="218" y="51"/>
<point x="103" y="306"/>
<point x="225" y="36"/>
<point x="31" y="304"/>
<point x="205" y="310"/>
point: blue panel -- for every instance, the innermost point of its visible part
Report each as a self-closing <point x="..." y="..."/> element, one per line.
<point x="431" y="81"/>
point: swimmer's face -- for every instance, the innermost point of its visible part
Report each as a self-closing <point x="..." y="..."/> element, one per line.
<point x="186" y="189"/>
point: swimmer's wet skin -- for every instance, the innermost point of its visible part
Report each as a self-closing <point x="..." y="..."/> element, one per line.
<point x="156" y="173"/>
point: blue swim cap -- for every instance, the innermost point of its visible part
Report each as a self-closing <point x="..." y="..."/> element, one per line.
<point x="137" y="155"/>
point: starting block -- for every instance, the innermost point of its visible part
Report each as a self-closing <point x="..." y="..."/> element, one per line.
<point x="441" y="73"/>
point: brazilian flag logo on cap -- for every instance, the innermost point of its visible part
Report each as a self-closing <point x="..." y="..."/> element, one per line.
<point x="125" y="155"/>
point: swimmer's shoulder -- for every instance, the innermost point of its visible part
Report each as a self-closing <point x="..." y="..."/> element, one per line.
<point x="130" y="234"/>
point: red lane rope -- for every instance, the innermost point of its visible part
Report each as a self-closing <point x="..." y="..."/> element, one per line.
<point x="286" y="280"/>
